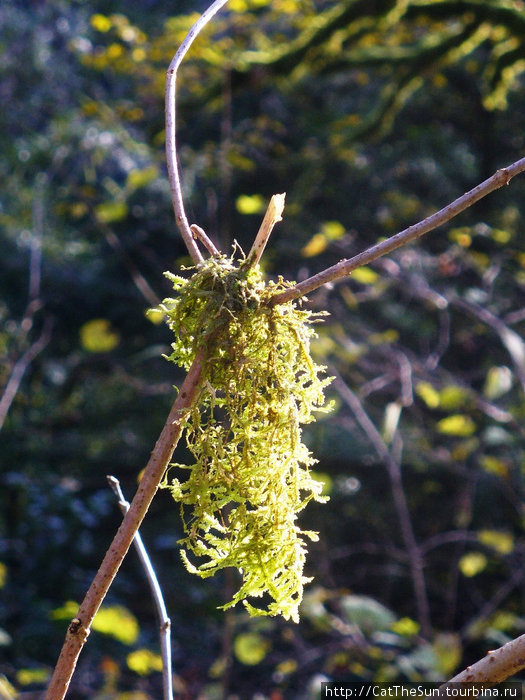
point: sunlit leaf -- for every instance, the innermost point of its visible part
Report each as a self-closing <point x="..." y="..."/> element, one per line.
<point x="117" y="621"/>
<point x="250" y="204"/>
<point x="458" y="424"/>
<point x="100" y="22"/>
<point x="109" y="212"/>
<point x="472" y="564"/>
<point x="406" y="627"/>
<point x="144" y="662"/>
<point x="316" y="245"/>
<point x="97" y="336"/>
<point x="286" y="667"/>
<point x="333" y="230"/>
<point x="461" y="236"/>
<point x="448" y="650"/>
<point x="428" y="394"/>
<point x="494" y="465"/>
<point x="3" y="574"/>
<point x="65" y="612"/>
<point x="452" y="397"/>
<point x="27" y="676"/>
<point x="501" y="542"/>
<point x="498" y="382"/>
<point x="365" y="275"/>
<point x="141" y="178"/>
<point x="250" y="648"/>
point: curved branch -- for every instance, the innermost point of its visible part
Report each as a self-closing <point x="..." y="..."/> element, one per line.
<point x="156" y="592"/>
<point x="171" y="146"/>
<point x="343" y="268"/>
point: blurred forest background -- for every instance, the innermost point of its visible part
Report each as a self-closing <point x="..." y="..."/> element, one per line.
<point x="370" y="115"/>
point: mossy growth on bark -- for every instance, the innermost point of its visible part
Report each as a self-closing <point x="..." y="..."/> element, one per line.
<point x="250" y="477"/>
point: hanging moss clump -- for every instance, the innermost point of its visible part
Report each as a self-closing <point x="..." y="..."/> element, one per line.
<point x="251" y="476"/>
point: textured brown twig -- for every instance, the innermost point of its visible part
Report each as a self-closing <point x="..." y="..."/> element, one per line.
<point x="345" y="267"/>
<point x="496" y="667"/>
<point x="80" y="626"/>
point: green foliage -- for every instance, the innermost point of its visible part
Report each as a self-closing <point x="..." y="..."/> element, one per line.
<point x="250" y="478"/>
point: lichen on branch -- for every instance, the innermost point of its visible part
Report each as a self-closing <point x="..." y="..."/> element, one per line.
<point x="250" y="477"/>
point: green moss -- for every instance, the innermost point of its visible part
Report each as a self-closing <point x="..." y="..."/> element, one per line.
<point x="251" y="474"/>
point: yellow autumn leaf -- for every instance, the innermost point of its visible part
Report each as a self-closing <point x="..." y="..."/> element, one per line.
<point x="27" y="676"/>
<point x="108" y="212"/>
<point x="428" y="394"/>
<point x="140" y="178"/>
<point x="365" y="275"/>
<point x="117" y="621"/>
<point x="333" y="230"/>
<point x="459" y="425"/>
<point x="97" y="336"/>
<point x="100" y="22"/>
<point x="405" y="627"/>
<point x="472" y="564"/>
<point x="316" y="245"/>
<point x="501" y="542"/>
<point x="65" y="612"/>
<point x="143" y="662"/>
<point x="494" y="465"/>
<point x="250" y="648"/>
<point x="250" y="204"/>
<point x="451" y="397"/>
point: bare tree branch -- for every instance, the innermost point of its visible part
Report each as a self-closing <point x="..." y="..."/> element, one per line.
<point x="345" y="267"/>
<point x="394" y="472"/>
<point x="19" y="369"/>
<point x="34" y="304"/>
<point x="496" y="667"/>
<point x="80" y="626"/>
<point x="171" y="145"/>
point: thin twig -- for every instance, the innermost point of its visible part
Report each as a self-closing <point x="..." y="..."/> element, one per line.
<point x="19" y="369"/>
<point x="164" y="620"/>
<point x="273" y="216"/>
<point x="200" y="234"/>
<point x="34" y="304"/>
<point x="138" y="278"/>
<point x="403" y="513"/>
<point x="171" y="146"/>
<point x="510" y="339"/>
<point x="496" y="667"/>
<point x="345" y="267"/>
<point x="80" y="626"/>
